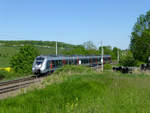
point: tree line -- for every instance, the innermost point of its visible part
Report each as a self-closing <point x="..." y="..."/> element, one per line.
<point x="139" y="48"/>
<point x="35" y="43"/>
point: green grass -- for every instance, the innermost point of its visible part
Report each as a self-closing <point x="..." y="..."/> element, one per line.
<point x="85" y="92"/>
<point x="5" y="55"/>
<point x="5" y="75"/>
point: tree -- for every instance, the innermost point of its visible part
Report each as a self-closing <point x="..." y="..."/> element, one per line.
<point x="90" y="48"/>
<point x="115" y="53"/>
<point x="107" y="50"/>
<point x="127" y="59"/>
<point x="89" y="45"/>
<point x="140" y="38"/>
<point x="22" y="61"/>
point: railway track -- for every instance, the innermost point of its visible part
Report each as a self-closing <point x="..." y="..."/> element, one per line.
<point x="13" y="85"/>
<point x="16" y="81"/>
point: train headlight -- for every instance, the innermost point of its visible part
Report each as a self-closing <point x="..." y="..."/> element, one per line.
<point x="40" y="65"/>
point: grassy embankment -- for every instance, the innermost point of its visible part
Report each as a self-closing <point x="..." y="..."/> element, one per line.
<point x="81" y="90"/>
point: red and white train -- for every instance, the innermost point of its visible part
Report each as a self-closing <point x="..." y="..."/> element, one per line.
<point x="44" y="64"/>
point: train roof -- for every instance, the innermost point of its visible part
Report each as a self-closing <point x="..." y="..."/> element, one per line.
<point x="58" y="57"/>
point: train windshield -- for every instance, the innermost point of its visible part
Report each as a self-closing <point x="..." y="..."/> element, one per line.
<point x="38" y="63"/>
<point x="39" y="60"/>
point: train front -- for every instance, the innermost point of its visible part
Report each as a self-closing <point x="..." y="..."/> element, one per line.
<point x="39" y="65"/>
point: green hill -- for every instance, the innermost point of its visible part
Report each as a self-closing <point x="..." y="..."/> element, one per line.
<point x="35" y="43"/>
<point x="9" y="48"/>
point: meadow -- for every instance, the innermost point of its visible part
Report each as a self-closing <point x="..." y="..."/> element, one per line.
<point x="78" y="89"/>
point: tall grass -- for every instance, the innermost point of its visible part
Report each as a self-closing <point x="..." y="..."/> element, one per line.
<point x="87" y="92"/>
<point x="69" y="69"/>
<point x="5" y="75"/>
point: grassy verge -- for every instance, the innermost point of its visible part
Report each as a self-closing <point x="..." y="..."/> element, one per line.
<point x="84" y="91"/>
<point x="5" y="75"/>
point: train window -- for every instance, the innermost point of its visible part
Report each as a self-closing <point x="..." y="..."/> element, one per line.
<point x="38" y="63"/>
<point x="75" y="62"/>
<point x="82" y="61"/>
<point x="86" y="60"/>
<point x="56" y="63"/>
<point x="47" y="64"/>
<point x="94" y="60"/>
<point x="53" y="63"/>
<point x="59" y="63"/>
<point x="70" y="61"/>
<point x="67" y="61"/>
<point x="40" y="58"/>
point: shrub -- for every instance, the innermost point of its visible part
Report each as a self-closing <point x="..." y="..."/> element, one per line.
<point x="8" y="75"/>
<point x="22" y="61"/>
<point x="127" y="60"/>
<point x="107" y="67"/>
<point x="2" y="74"/>
<point x="138" y="63"/>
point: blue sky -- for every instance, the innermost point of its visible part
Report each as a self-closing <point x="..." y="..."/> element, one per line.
<point x="71" y="21"/>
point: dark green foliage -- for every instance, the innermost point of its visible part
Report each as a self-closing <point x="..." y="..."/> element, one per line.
<point x="127" y="59"/>
<point x="140" y="38"/>
<point x="23" y="60"/>
<point x="140" y="46"/>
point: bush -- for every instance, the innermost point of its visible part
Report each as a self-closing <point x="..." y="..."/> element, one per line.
<point x="107" y="67"/>
<point x="8" y="75"/>
<point x="2" y="74"/>
<point x="22" y="61"/>
<point x="138" y="63"/>
<point x="127" y="60"/>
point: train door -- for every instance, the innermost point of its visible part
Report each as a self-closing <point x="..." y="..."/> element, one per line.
<point x="63" y="62"/>
<point x="51" y="66"/>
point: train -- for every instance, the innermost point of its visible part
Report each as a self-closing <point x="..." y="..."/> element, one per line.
<point x="49" y="63"/>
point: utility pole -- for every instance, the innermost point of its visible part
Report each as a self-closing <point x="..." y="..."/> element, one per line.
<point x="102" y="54"/>
<point x="56" y="48"/>
<point x="118" y="58"/>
